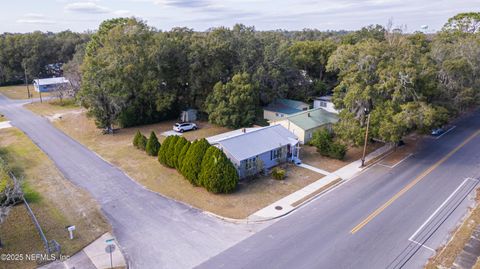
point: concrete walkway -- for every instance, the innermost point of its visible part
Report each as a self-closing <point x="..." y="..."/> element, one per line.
<point x="94" y="256"/>
<point x="5" y="124"/>
<point x="291" y="202"/>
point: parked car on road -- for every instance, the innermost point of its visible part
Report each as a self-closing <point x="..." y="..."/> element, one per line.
<point x="184" y="126"/>
<point x="437" y="131"/>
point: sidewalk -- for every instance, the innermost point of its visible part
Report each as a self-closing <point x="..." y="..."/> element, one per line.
<point x="94" y="256"/>
<point x="296" y="199"/>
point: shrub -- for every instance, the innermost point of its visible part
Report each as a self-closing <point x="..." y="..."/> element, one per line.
<point x="192" y="163"/>
<point x="142" y="142"/>
<point x="177" y="150"/>
<point x="170" y="151"/>
<point x="279" y="173"/>
<point x="162" y="157"/>
<point x="323" y="140"/>
<point x="181" y="156"/>
<point x="136" y="139"/>
<point x="218" y="175"/>
<point x="337" y="151"/>
<point x="153" y="145"/>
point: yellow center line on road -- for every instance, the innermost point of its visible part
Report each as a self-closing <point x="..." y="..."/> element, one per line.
<point x="411" y="184"/>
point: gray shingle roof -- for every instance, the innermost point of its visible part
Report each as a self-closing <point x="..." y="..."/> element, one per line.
<point x="256" y="142"/>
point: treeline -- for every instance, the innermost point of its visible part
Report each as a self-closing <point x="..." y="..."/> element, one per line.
<point x="133" y="74"/>
<point x="39" y="54"/>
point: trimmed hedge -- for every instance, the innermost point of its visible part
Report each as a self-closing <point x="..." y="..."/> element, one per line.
<point x="192" y="163"/>
<point x="182" y="155"/>
<point x="162" y="157"/>
<point x="218" y="175"/>
<point x="177" y="149"/>
<point x="140" y="141"/>
<point x="153" y="146"/>
<point x="170" y="151"/>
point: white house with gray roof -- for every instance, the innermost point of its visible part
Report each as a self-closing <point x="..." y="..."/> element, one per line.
<point x="254" y="149"/>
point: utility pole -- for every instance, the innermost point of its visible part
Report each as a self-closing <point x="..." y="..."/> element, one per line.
<point x="26" y="82"/>
<point x="366" y="139"/>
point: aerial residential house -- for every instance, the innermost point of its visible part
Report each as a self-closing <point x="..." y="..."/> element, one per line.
<point x="49" y="84"/>
<point x="253" y="150"/>
<point x="282" y="108"/>
<point x="325" y="103"/>
<point x="305" y="123"/>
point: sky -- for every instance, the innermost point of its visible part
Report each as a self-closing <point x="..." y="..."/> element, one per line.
<point x="82" y="15"/>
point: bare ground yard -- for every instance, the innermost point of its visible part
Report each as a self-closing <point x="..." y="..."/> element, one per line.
<point x="118" y="150"/>
<point x="309" y="155"/>
<point x="20" y="92"/>
<point x="59" y="203"/>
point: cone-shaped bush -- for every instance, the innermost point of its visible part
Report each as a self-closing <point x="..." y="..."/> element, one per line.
<point x="192" y="164"/>
<point x="170" y="151"/>
<point x="218" y="175"/>
<point x="153" y="145"/>
<point x="136" y="139"/>
<point x="177" y="149"/>
<point x="142" y="142"/>
<point x="162" y="152"/>
<point x="181" y="156"/>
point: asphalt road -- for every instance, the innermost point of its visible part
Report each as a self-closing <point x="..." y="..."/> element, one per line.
<point x="154" y="232"/>
<point x="384" y="218"/>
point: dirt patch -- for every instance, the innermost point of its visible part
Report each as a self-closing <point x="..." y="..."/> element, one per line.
<point x="309" y="155"/>
<point x="53" y="109"/>
<point x="398" y="154"/>
<point x="60" y="204"/>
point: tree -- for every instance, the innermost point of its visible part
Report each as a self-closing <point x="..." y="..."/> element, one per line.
<point x="162" y="153"/>
<point x="192" y="163"/>
<point x="218" y="175"/>
<point x="181" y="142"/>
<point x="153" y="146"/>
<point x="326" y="146"/>
<point x="142" y="142"/>
<point x="136" y="138"/>
<point x="170" y="151"/>
<point x="468" y="22"/>
<point x="10" y="193"/>
<point x="233" y="104"/>
<point x="182" y="155"/>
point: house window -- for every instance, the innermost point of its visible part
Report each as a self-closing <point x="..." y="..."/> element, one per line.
<point x="250" y="163"/>
<point x="275" y="154"/>
<point x="323" y="104"/>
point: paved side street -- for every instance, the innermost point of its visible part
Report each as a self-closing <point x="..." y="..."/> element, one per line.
<point x="152" y="230"/>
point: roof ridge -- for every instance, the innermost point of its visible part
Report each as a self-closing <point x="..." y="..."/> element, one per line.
<point x="242" y="133"/>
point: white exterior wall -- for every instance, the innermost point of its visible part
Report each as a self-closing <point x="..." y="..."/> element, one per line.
<point x="325" y="105"/>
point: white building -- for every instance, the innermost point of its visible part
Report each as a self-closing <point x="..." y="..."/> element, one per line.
<point x="325" y="103"/>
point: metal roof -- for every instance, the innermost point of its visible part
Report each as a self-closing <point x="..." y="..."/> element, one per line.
<point x="286" y="106"/>
<point x="312" y="118"/>
<point x="50" y="81"/>
<point x="255" y="142"/>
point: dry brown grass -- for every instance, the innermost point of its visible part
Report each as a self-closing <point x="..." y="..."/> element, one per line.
<point x="60" y="204"/>
<point x="447" y="254"/>
<point x="53" y="108"/>
<point x="309" y="155"/>
<point x="20" y="92"/>
<point x="118" y="150"/>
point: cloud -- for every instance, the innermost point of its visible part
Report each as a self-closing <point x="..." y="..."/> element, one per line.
<point x="184" y="3"/>
<point x="35" y="18"/>
<point x="86" y="7"/>
<point x="122" y="12"/>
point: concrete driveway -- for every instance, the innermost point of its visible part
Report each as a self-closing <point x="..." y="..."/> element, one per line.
<point x="154" y="231"/>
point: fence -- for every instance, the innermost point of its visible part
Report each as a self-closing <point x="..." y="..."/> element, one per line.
<point x="51" y="246"/>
